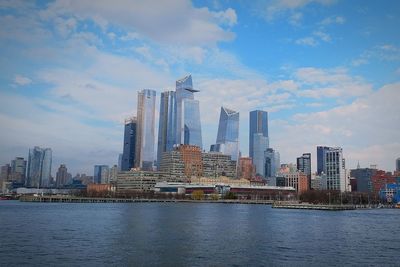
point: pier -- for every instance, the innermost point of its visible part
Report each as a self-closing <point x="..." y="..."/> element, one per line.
<point x="72" y="199"/>
<point x="278" y="205"/>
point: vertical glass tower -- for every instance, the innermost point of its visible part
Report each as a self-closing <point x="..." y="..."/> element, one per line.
<point x="39" y="167"/>
<point x="188" y="126"/>
<point x="128" y="154"/>
<point x="145" y="132"/>
<point x="304" y="165"/>
<point x="260" y="145"/>
<point x="320" y="158"/>
<point x="228" y="134"/>
<point x="258" y="124"/>
<point x="167" y="124"/>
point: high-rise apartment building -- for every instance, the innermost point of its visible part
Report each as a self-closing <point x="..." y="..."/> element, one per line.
<point x="320" y="158"/>
<point x="187" y="114"/>
<point x="228" y="134"/>
<point x="304" y="165"/>
<point x="101" y="174"/>
<point x="129" y="150"/>
<point x="145" y="131"/>
<point x="5" y="174"/>
<point x="167" y="124"/>
<point x="39" y="167"/>
<point x="334" y="168"/>
<point x="246" y="169"/>
<point x="18" y="170"/>
<point x="258" y="124"/>
<point x="62" y="176"/>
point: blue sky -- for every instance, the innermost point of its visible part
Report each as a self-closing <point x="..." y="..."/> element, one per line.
<point x="327" y="72"/>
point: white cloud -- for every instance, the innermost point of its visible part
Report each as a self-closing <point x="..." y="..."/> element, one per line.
<point x="323" y="36"/>
<point x="22" y="80"/>
<point x="176" y="21"/>
<point x="370" y="119"/>
<point x="333" y="20"/>
<point x="307" y="41"/>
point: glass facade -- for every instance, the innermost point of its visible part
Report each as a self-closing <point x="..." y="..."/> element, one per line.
<point x="320" y="158"/>
<point x="260" y="145"/>
<point x="101" y="174"/>
<point x="128" y="154"/>
<point x="228" y="134"/>
<point x="145" y="131"/>
<point x="188" y="126"/>
<point x="39" y="167"/>
<point x="304" y="165"/>
<point x="258" y="124"/>
<point x="334" y="169"/>
<point x="167" y="124"/>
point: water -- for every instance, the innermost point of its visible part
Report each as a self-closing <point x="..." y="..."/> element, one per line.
<point x="190" y="234"/>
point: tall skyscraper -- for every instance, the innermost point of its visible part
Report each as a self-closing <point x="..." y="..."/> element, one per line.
<point x="258" y="124"/>
<point x="128" y="154"/>
<point x="398" y="164"/>
<point x="62" y="176"/>
<point x="320" y="158"/>
<point x="228" y="134"/>
<point x="334" y="168"/>
<point x="39" y="167"/>
<point x="18" y="170"/>
<point x="304" y="165"/>
<point x="188" y="114"/>
<point x="101" y="174"/>
<point x="145" y="131"/>
<point x="260" y="145"/>
<point x="167" y="124"/>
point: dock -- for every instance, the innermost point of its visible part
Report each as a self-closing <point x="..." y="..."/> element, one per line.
<point x="73" y="199"/>
<point x="302" y="206"/>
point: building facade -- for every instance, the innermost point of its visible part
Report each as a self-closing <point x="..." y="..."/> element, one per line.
<point x="398" y="165"/>
<point x="216" y="164"/>
<point x="62" y="176"/>
<point x="18" y="170"/>
<point x="258" y="125"/>
<point x="304" y="165"/>
<point x="246" y="169"/>
<point x="228" y="134"/>
<point x="101" y="174"/>
<point x="39" y="167"/>
<point x="320" y="158"/>
<point x="145" y="129"/>
<point x="167" y="124"/>
<point x="188" y="123"/>
<point x="136" y="180"/>
<point x="260" y="145"/>
<point x="334" y="168"/>
<point x="363" y="177"/>
<point x="129" y="149"/>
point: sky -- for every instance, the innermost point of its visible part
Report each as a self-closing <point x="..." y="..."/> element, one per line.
<point x="327" y="72"/>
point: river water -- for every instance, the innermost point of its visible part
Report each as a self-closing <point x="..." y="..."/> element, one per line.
<point x="194" y="234"/>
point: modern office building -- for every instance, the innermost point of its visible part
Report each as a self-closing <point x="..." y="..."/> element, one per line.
<point x="271" y="162"/>
<point x="320" y="158"/>
<point x="101" y="174"/>
<point x="137" y="180"/>
<point x="18" y="170"/>
<point x="167" y="124"/>
<point x="228" y="134"/>
<point x="304" y="165"/>
<point x="62" y="176"/>
<point x="5" y="173"/>
<point x="39" y="167"/>
<point x="363" y="177"/>
<point x="258" y="125"/>
<point x="112" y="177"/>
<point x="145" y="129"/>
<point x="129" y="149"/>
<point x="260" y="145"/>
<point x="188" y="124"/>
<point x="334" y="168"/>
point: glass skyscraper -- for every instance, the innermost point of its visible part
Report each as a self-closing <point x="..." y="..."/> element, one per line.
<point x="101" y="174"/>
<point x="228" y="134"/>
<point x="320" y="158"/>
<point x="188" y="124"/>
<point x="260" y="145"/>
<point x="128" y="154"/>
<point x="145" y="132"/>
<point x="167" y="124"/>
<point x="258" y="124"/>
<point x="39" y="167"/>
<point x="304" y="165"/>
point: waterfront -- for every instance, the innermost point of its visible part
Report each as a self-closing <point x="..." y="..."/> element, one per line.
<point x="191" y="234"/>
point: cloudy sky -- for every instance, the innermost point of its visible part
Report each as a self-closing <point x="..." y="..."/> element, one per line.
<point x="328" y="73"/>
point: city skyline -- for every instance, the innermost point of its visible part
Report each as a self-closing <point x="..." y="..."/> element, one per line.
<point x="72" y="72"/>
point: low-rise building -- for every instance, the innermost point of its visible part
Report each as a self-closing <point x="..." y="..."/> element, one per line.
<point x="138" y="180"/>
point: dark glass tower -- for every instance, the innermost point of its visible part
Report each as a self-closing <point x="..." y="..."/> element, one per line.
<point x="304" y="165"/>
<point x="320" y="158"/>
<point x="128" y="154"/>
